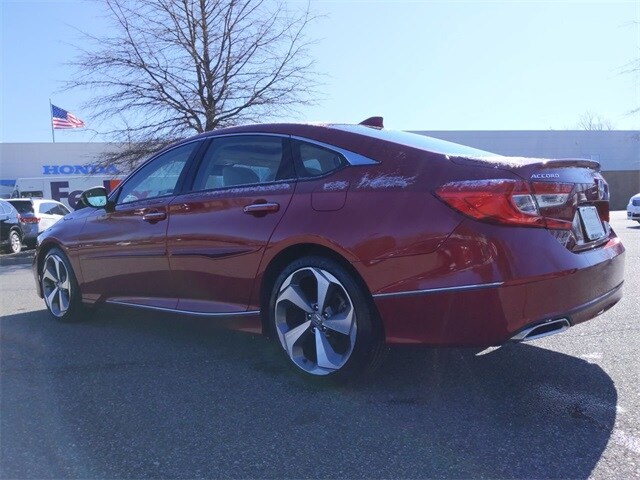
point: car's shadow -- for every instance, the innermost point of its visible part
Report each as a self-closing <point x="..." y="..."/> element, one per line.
<point x="137" y="394"/>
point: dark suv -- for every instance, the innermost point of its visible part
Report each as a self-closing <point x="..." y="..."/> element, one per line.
<point x="10" y="229"/>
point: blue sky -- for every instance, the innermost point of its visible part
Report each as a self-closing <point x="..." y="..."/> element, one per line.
<point x="423" y="65"/>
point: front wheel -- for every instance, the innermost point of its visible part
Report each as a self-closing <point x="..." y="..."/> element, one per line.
<point x="60" y="287"/>
<point x="325" y="322"/>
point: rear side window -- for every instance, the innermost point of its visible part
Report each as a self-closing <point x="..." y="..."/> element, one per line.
<point x="314" y="161"/>
<point x="243" y="160"/>
<point x="4" y="208"/>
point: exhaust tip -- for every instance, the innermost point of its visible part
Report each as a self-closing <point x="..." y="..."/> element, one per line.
<point x="542" y="330"/>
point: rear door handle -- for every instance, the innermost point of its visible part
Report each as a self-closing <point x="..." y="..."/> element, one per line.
<point x="154" y="216"/>
<point x="261" y="208"/>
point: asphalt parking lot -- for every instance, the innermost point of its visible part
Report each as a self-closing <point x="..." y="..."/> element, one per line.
<point x="132" y="394"/>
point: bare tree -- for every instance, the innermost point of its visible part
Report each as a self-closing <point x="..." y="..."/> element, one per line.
<point x="593" y="121"/>
<point x="171" y="68"/>
<point x="633" y="68"/>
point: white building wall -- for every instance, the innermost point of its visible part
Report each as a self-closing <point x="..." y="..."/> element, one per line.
<point x="25" y="160"/>
<point x="617" y="151"/>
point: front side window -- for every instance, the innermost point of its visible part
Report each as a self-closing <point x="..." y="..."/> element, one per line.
<point x="315" y="161"/>
<point x="48" y="208"/>
<point x="159" y="177"/>
<point x="243" y="160"/>
<point x="60" y="210"/>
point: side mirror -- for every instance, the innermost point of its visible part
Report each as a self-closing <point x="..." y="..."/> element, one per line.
<point x="95" y="197"/>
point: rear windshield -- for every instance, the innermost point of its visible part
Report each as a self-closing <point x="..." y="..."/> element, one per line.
<point x="415" y="140"/>
<point x="22" y="207"/>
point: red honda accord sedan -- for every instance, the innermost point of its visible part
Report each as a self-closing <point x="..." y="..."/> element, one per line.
<point x="337" y="239"/>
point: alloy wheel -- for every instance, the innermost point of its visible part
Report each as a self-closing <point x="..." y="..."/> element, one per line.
<point x="315" y="321"/>
<point x="16" y="242"/>
<point x="56" y="285"/>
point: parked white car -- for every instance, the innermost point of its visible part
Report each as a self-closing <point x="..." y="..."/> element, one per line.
<point x="633" y="209"/>
<point x="36" y="215"/>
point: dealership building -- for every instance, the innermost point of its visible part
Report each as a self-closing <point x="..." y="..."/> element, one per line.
<point x="618" y="152"/>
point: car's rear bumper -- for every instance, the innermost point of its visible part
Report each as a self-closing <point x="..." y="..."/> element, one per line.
<point x="30" y="231"/>
<point x="493" y="313"/>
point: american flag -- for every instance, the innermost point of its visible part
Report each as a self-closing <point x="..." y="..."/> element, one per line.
<point x="63" y="119"/>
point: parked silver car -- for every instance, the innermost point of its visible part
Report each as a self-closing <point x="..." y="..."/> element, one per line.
<point x="633" y="208"/>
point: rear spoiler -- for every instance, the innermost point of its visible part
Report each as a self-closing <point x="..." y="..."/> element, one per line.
<point x="507" y="162"/>
<point x="570" y="162"/>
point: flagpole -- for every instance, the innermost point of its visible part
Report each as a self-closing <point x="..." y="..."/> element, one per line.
<point x="53" y="136"/>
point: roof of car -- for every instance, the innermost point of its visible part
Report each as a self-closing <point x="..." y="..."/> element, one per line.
<point x="422" y="142"/>
<point x="5" y="201"/>
<point x="342" y="135"/>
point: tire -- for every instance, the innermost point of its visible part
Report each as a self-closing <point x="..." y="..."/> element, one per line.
<point x="60" y="288"/>
<point x="15" y="242"/>
<point x="335" y="339"/>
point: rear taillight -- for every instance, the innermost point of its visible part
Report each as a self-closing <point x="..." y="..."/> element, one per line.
<point x="507" y="202"/>
<point x="29" y="219"/>
<point x="551" y="194"/>
<point x="553" y="201"/>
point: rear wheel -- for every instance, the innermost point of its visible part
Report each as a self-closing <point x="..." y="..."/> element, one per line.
<point x="60" y="287"/>
<point x="15" y="242"/>
<point x="324" y="320"/>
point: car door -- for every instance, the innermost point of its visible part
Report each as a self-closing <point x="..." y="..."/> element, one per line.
<point x="123" y="251"/>
<point x="5" y="224"/>
<point x="219" y="230"/>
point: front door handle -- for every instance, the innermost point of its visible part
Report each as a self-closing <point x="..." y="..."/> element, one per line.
<point x="152" y="217"/>
<point x="261" y="208"/>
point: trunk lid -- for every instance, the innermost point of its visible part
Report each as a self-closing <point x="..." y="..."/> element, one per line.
<point x="571" y="195"/>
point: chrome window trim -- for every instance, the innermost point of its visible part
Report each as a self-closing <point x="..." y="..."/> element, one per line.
<point x="245" y="134"/>
<point x="243" y="185"/>
<point x="352" y="158"/>
<point x="188" y="312"/>
<point x="439" y="290"/>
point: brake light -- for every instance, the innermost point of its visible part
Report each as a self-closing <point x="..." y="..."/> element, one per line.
<point x="504" y="201"/>
<point x="29" y="219"/>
